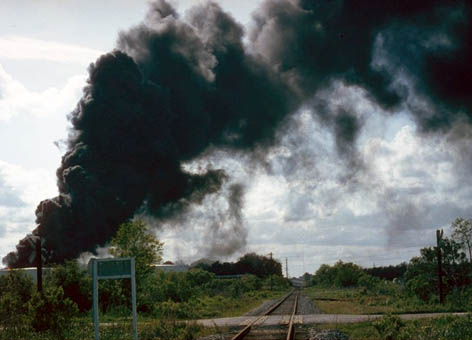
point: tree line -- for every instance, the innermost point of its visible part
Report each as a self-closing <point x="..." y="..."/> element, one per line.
<point x="258" y="265"/>
<point x="419" y="277"/>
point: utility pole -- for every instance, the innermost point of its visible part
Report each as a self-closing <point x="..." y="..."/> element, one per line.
<point x="439" y="235"/>
<point x="286" y="267"/>
<point x="39" y="265"/>
<point x="270" y="273"/>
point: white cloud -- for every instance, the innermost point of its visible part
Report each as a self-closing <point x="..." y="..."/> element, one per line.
<point x="30" y="186"/>
<point x="303" y="211"/>
<point x="21" y="48"/>
<point x="31" y="121"/>
<point x="16" y="99"/>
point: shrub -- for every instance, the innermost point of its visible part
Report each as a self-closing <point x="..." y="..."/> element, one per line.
<point x="237" y="288"/>
<point x="389" y="327"/>
<point x="170" y="310"/>
<point x="197" y="277"/>
<point x="252" y="282"/>
<point x="369" y="282"/>
<point x="14" y="320"/>
<point x="18" y="283"/>
<point x="16" y="289"/>
<point x="75" y="282"/>
<point x="278" y="282"/>
<point x="51" y="311"/>
<point x="113" y="294"/>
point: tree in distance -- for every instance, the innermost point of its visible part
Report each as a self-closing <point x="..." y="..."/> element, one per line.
<point x="134" y="239"/>
<point x="462" y="234"/>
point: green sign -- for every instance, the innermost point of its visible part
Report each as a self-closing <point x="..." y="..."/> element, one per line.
<point x="114" y="268"/>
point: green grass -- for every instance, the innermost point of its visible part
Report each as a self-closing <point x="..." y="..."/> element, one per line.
<point x="202" y="307"/>
<point x="222" y="306"/>
<point x="82" y="329"/>
<point x="362" y="301"/>
<point x="443" y="328"/>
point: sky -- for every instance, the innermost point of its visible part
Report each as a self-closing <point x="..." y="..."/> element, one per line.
<point x="310" y="201"/>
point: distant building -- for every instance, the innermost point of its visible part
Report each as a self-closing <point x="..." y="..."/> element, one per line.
<point x="298" y="282"/>
<point x="172" y="267"/>
<point x="31" y="272"/>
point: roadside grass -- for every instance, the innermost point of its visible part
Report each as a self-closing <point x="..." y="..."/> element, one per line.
<point x="200" y="307"/>
<point x="358" y="300"/>
<point x="390" y="327"/>
<point x="82" y="329"/>
<point x="220" y="306"/>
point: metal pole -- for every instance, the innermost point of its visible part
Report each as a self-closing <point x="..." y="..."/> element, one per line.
<point x="133" y="299"/>
<point x="95" y="298"/>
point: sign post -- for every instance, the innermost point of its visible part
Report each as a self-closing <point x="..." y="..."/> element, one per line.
<point x="113" y="268"/>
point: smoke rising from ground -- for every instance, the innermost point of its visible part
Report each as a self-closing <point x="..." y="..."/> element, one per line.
<point x="179" y="86"/>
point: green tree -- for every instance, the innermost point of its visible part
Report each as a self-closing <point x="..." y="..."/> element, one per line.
<point x="134" y="239"/>
<point x="347" y="274"/>
<point x="52" y="311"/>
<point x="462" y="233"/>
<point x="341" y="274"/>
<point x="258" y="265"/>
<point x="74" y="281"/>
<point x="421" y="275"/>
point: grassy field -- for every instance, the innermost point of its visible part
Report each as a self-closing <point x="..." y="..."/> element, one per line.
<point x="117" y="324"/>
<point x="120" y="329"/>
<point x="362" y="301"/>
<point x="221" y="306"/>
<point x="390" y="327"/>
<point x="204" y="307"/>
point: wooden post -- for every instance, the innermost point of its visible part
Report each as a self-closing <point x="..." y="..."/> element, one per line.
<point x="270" y="273"/>
<point x="133" y="299"/>
<point x="39" y="266"/>
<point x="96" y="321"/>
<point x="439" y="235"/>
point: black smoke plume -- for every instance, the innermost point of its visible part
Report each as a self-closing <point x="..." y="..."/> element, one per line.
<point x="178" y="86"/>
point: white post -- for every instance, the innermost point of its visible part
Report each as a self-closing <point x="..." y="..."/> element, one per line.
<point x="133" y="299"/>
<point x="95" y="298"/>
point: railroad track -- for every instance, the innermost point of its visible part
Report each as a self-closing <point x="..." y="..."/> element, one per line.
<point x="284" y="331"/>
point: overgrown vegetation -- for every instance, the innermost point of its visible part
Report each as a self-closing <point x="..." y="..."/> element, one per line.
<point x="405" y="288"/>
<point x="63" y="309"/>
<point x="391" y="327"/>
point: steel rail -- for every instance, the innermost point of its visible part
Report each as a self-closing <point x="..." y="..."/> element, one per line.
<point x="291" y="328"/>
<point x="246" y="329"/>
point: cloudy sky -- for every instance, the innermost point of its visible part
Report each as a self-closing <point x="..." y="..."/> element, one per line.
<point x="310" y="198"/>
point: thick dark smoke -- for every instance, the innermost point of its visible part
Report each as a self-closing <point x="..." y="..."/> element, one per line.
<point x="176" y="87"/>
